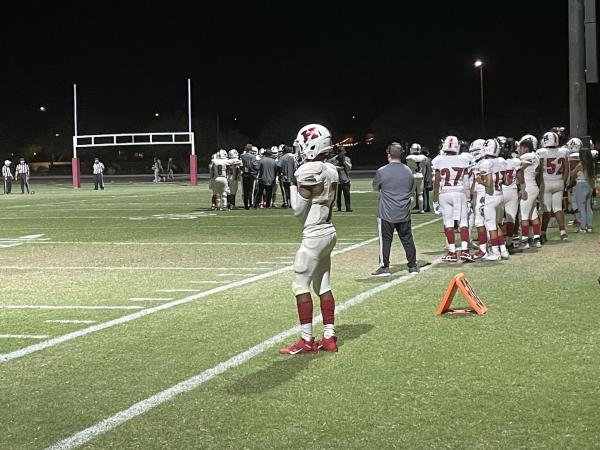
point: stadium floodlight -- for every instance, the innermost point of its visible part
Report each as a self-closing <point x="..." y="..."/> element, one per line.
<point x="42" y="108"/>
<point x="478" y="63"/>
<point x="127" y="139"/>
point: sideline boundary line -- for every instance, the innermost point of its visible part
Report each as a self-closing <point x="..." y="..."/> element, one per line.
<point x="192" y="383"/>
<point x="145" y="312"/>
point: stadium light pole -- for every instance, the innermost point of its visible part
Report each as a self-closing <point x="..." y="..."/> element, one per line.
<point x="479" y="65"/>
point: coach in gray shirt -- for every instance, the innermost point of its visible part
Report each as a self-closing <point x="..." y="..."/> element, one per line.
<point x="394" y="182"/>
<point x="267" y="172"/>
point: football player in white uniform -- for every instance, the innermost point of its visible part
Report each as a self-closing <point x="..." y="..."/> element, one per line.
<point x="416" y="162"/>
<point x="555" y="171"/>
<point x="218" y="180"/>
<point x="528" y="180"/>
<point x="478" y="199"/>
<point x="234" y="175"/>
<point x="450" y="197"/>
<point x="312" y="198"/>
<point x="573" y="147"/>
<point x="491" y="175"/>
<point x="510" y="195"/>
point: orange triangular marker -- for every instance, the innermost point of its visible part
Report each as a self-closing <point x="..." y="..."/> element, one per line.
<point x="459" y="282"/>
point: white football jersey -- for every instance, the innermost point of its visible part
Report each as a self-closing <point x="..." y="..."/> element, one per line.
<point x="234" y="169"/>
<point x="553" y="163"/>
<point x="416" y="164"/>
<point x="512" y="165"/>
<point x="219" y="167"/>
<point x="452" y="170"/>
<point x="495" y="167"/>
<point x="317" y="175"/>
<point x="530" y="163"/>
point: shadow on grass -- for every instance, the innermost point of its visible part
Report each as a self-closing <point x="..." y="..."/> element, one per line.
<point x="285" y="368"/>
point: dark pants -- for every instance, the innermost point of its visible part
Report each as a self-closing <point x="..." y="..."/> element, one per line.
<point x="98" y="181"/>
<point x="264" y="191"/>
<point x="247" y="187"/>
<point x="343" y="188"/>
<point x="7" y="185"/>
<point x="285" y="190"/>
<point x="386" y="234"/>
<point x="24" y="185"/>
<point x="426" y="206"/>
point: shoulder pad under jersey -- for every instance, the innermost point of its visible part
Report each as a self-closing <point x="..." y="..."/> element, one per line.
<point x="528" y="158"/>
<point x="310" y="173"/>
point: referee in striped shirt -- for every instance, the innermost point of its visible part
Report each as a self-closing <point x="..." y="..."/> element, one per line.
<point x="22" y="174"/>
<point x="8" y="176"/>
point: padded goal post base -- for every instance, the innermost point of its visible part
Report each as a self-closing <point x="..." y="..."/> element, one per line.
<point x="75" y="172"/>
<point x="460" y="283"/>
<point x="193" y="170"/>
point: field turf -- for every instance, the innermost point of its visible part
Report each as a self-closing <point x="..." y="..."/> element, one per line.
<point x="171" y="292"/>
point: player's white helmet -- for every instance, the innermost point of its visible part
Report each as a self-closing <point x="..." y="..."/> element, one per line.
<point x="532" y="139"/>
<point x="574" y="145"/>
<point x="491" y="148"/>
<point x="313" y="140"/>
<point x="415" y="149"/>
<point x="274" y="151"/>
<point x="550" y="139"/>
<point x="254" y="150"/>
<point x="476" y="149"/>
<point x="233" y="153"/>
<point x="222" y="154"/>
<point x="450" y="145"/>
<point x="7" y="163"/>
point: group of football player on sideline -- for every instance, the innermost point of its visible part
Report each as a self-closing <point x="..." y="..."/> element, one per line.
<point x="259" y="171"/>
<point x="491" y="185"/>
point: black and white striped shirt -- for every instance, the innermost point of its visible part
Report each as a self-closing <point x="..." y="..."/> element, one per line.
<point x="22" y="169"/>
<point x="98" y="168"/>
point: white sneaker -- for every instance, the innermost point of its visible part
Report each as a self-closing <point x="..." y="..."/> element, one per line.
<point x="504" y="254"/>
<point x="491" y="257"/>
<point x="524" y="245"/>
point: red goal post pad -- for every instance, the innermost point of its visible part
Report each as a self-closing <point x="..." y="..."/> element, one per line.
<point x="460" y="283"/>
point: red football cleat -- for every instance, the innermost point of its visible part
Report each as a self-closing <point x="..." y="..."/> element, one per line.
<point x="466" y="256"/>
<point x="328" y="344"/>
<point x="450" y="257"/>
<point x="300" y="346"/>
<point x="479" y="255"/>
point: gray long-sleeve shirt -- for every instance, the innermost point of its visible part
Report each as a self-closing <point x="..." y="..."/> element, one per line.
<point x="343" y="166"/>
<point x="267" y="170"/>
<point x="394" y="182"/>
<point x="287" y="167"/>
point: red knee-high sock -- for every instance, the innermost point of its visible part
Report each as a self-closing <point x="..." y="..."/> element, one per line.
<point x="305" y="312"/>
<point x="510" y="228"/>
<point x="481" y="236"/>
<point x="525" y="231"/>
<point x="537" y="229"/>
<point x="449" y="232"/>
<point x="328" y="313"/>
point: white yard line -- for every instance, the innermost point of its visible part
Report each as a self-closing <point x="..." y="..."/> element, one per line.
<point x="246" y="244"/>
<point x="151" y="299"/>
<point x="209" y="282"/>
<point x="65" y="321"/>
<point x="55" y="268"/>
<point x="145" y="312"/>
<point x="269" y="262"/>
<point x="23" y="336"/>
<point x="158" y="399"/>
<point x="67" y="307"/>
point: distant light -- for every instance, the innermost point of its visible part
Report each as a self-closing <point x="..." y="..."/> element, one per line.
<point x="235" y="118"/>
<point x="34" y="154"/>
<point x="156" y="114"/>
<point x="354" y="117"/>
<point x="478" y="63"/>
<point x="57" y="134"/>
<point x="42" y="108"/>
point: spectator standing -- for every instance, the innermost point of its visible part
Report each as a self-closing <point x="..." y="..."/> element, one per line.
<point x="170" y="169"/>
<point x="394" y="182"/>
<point x="585" y="175"/>
<point x="22" y="174"/>
<point x="427" y="180"/>
<point x="98" y="171"/>
<point x="286" y="167"/>
<point x="267" y="172"/>
<point x="343" y="165"/>
<point x="157" y="169"/>
<point x="8" y="177"/>
<point x="248" y="175"/>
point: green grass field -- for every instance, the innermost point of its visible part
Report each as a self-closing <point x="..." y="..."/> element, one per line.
<point x="171" y="292"/>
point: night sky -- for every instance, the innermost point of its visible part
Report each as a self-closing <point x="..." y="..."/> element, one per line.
<point x="399" y="67"/>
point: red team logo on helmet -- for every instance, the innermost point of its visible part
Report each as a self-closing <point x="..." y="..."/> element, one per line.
<point x="309" y="134"/>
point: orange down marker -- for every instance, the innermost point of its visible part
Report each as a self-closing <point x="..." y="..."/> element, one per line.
<point x="459" y="282"/>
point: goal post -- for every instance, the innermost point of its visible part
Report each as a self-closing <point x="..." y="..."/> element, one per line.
<point x="129" y="139"/>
